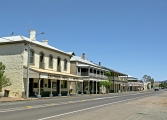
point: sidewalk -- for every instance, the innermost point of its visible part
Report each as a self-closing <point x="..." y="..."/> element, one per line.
<point x="12" y="99"/>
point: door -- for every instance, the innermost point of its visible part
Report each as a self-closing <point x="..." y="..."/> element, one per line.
<point x="58" y="86"/>
<point x="31" y="82"/>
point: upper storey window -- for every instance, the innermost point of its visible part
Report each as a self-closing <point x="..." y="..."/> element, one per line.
<point x="58" y="64"/>
<point x="41" y="60"/>
<point x="50" y="61"/>
<point x="32" y="56"/>
<point x="65" y="64"/>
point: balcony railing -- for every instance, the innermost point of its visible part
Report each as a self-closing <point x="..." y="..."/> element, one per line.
<point x="119" y="78"/>
<point x="58" y="68"/>
<point x="42" y="65"/>
<point x="105" y="77"/>
<point x="98" y="76"/>
<point x="92" y="74"/>
<point x="84" y="73"/>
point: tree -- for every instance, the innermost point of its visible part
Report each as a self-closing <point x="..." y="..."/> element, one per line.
<point x="4" y="81"/>
<point x="105" y="84"/>
<point x="147" y="78"/>
<point x="107" y="73"/>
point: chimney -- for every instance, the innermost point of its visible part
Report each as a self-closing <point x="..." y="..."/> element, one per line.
<point x="83" y="56"/>
<point x="45" y="42"/>
<point x="32" y="34"/>
<point x="99" y="63"/>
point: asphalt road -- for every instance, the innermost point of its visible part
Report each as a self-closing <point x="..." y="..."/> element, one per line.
<point x="54" y="108"/>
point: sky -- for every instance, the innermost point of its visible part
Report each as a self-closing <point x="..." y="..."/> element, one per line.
<point x="129" y="36"/>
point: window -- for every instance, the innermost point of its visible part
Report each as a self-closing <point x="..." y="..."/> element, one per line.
<point x="49" y="83"/>
<point x="78" y="69"/>
<point x="58" y="64"/>
<point x="65" y="64"/>
<point x="35" y="85"/>
<point x="41" y="60"/>
<point x="64" y="84"/>
<point x="50" y="61"/>
<point x="94" y="71"/>
<point x="42" y="83"/>
<point x="31" y="56"/>
<point x="91" y="70"/>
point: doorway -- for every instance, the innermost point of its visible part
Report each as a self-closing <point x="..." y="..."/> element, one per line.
<point x="58" y="87"/>
<point x="31" y="81"/>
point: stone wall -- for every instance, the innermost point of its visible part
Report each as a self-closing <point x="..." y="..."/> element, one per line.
<point x="73" y="68"/>
<point x="47" y="52"/>
<point x="12" y="58"/>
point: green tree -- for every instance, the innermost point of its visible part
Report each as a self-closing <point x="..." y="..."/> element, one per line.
<point x="4" y="81"/>
<point x="147" y="78"/>
<point x="105" y="84"/>
<point x="107" y="73"/>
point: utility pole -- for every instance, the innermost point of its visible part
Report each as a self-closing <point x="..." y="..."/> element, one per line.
<point x="28" y="62"/>
<point x="28" y="59"/>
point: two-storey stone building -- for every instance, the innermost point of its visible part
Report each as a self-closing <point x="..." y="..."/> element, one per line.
<point x="49" y="67"/>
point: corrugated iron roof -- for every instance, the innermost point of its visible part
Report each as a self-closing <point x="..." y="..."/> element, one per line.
<point x="22" y="38"/>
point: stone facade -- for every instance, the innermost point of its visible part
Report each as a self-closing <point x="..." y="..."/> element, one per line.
<point x="12" y="57"/>
<point x="73" y="67"/>
<point x="48" y="52"/>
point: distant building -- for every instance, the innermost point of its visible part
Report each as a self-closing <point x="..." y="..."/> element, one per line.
<point x="134" y="84"/>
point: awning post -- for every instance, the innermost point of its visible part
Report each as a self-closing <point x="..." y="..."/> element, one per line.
<point x="51" y="95"/>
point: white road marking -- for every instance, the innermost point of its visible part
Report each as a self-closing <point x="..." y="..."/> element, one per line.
<point x="89" y="108"/>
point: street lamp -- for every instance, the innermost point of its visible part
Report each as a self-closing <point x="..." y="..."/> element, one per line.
<point x="28" y="63"/>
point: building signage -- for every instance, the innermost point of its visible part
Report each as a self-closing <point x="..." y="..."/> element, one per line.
<point x="51" y="76"/>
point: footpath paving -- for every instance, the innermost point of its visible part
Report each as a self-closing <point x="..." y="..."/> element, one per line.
<point x="13" y="99"/>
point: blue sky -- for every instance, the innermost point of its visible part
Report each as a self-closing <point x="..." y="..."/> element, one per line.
<point x="129" y="36"/>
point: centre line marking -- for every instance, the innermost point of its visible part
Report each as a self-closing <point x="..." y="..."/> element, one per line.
<point x="90" y="108"/>
<point x="28" y="106"/>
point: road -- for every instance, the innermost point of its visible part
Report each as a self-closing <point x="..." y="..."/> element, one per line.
<point x="66" y="108"/>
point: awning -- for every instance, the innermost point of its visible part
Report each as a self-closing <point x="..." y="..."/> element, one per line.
<point x="50" y="74"/>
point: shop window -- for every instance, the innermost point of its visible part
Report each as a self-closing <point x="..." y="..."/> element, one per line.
<point x="42" y="83"/>
<point x="64" y="84"/>
<point x="35" y="85"/>
<point x="49" y="83"/>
